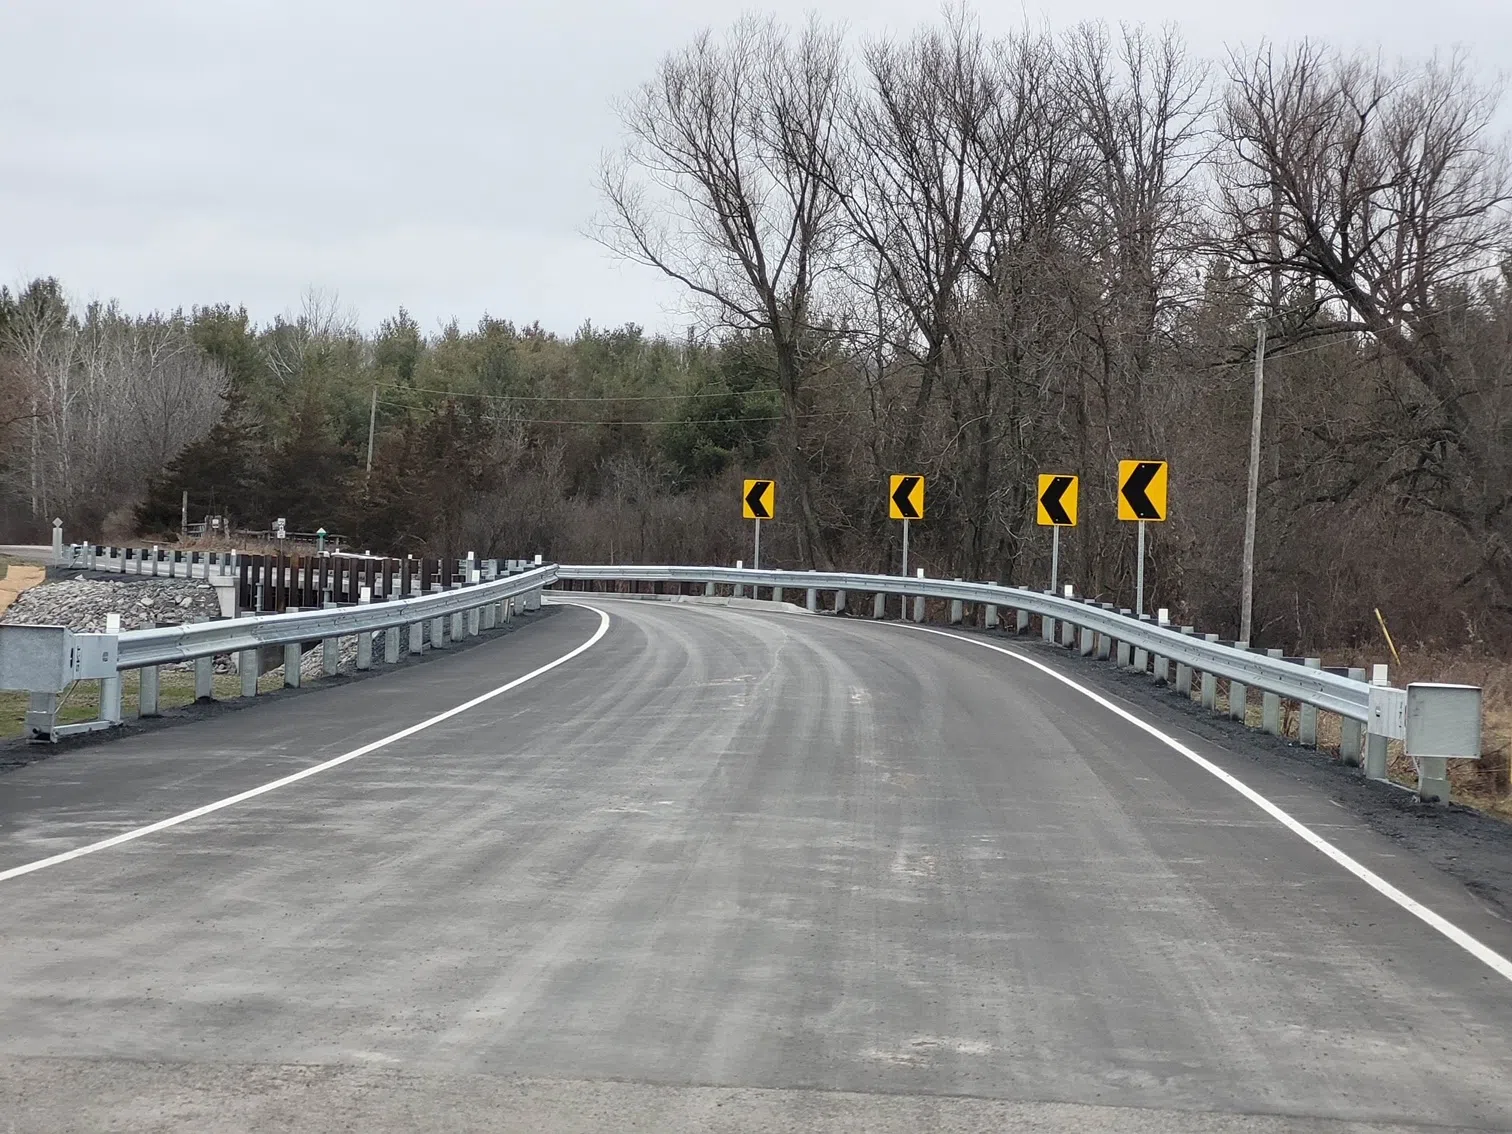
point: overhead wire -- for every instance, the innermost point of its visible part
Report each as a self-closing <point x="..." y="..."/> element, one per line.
<point x="740" y="420"/>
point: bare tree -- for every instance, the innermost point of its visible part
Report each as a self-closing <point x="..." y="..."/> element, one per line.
<point x="1383" y="194"/>
<point x="721" y="187"/>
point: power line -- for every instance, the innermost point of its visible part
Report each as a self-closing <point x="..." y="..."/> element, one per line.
<point x="658" y="421"/>
<point x="580" y="397"/>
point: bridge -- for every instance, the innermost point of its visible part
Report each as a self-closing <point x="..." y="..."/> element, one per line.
<point x="721" y="858"/>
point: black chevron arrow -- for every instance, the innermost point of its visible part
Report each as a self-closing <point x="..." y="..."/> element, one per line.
<point x="755" y="502"/>
<point x="1137" y="485"/>
<point x="1051" y="500"/>
<point x="901" y="495"/>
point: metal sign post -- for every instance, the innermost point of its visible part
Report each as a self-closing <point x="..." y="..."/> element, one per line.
<point x="1055" y="556"/>
<point x="756" y="554"/>
<point x="905" y="546"/>
<point x="1139" y="574"/>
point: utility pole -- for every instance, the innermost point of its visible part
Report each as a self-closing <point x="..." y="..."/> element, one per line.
<point x="1252" y="498"/>
<point x="372" y="421"/>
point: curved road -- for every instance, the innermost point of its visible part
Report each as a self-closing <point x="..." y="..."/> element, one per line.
<point x="722" y="870"/>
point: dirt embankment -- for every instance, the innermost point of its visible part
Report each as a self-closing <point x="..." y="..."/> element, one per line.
<point x="16" y="578"/>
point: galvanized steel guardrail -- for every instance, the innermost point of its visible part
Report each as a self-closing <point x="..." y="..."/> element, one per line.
<point x="1434" y="722"/>
<point x="46" y="660"/>
<point x="1332" y="693"/>
<point x="168" y="644"/>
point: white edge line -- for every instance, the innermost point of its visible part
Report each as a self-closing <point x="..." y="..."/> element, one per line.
<point x="1477" y="949"/>
<point x="314" y="770"/>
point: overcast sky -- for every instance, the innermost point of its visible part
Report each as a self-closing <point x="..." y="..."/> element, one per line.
<point x="440" y="154"/>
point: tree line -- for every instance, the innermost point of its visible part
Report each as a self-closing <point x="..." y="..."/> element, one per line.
<point x="971" y="258"/>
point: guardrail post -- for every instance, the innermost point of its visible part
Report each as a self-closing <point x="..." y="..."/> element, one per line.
<point x="246" y="664"/>
<point x="1209" y="682"/>
<point x="1375" y="746"/>
<point x="1142" y="655"/>
<point x="204" y="679"/>
<point x="1307" y="715"/>
<point x="1125" y="656"/>
<point x="839" y="602"/>
<point x="330" y="648"/>
<point x="1270" y="705"/>
<point x="957" y="609"/>
<point x="437" y="625"/>
<point x="1088" y="641"/>
<point x="1021" y="622"/>
<point x="110" y="687"/>
<point x="1183" y="671"/>
<point x="147" y="691"/>
<point x="365" y="637"/>
<point x="879" y="605"/>
<point x="1068" y="633"/>
<point x="1047" y="628"/>
<point x="990" y="617"/>
<point x="392" y="640"/>
<point x="1352" y="732"/>
<point x="813" y="599"/>
<point x="918" y="608"/>
<point x="293" y="657"/>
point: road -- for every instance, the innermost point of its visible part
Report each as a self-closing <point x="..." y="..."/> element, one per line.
<point x="722" y="870"/>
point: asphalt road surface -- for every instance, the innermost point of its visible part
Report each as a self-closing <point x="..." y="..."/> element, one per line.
<point x="723" y="870"/>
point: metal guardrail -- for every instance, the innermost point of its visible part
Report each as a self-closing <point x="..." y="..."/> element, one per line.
<point x="1434" y="722"/>
<point x="168" y="644"/>
<point x="1332" y="693"/>
<point x="46" y="660"/>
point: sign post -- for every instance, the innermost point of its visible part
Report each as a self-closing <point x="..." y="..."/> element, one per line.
<point x="1142" y="491"/>
<point x="905" y="501"/>
<point x="758" y="502"/>
<point x="1055" y="508"/>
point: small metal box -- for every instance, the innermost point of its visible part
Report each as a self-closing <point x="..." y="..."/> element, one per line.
<point x="35" y="659"/>
<point x="1443" y="720"/>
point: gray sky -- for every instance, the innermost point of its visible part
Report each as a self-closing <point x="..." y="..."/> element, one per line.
<point x="441" y="154"/>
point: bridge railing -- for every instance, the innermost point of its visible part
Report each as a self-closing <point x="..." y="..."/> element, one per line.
<point x="45" y="661"/>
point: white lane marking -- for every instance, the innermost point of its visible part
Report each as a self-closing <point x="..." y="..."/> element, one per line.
<point x="1480" y="951"/>
<point x="315" y="770"/>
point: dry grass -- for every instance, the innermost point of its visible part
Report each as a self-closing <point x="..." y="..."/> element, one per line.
<point x="175" y="690"/>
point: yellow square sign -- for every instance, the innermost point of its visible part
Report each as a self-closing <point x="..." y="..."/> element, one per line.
<point x="759" y="500"/>
<point x="1142" y="490"/>
<point x="905" y="497"/>
<point x="1055" y="506"/>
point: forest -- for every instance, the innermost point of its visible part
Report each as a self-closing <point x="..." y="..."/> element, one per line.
<point x="977" y="259"/>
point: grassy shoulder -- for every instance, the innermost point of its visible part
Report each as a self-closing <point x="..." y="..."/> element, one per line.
<point x="82" y="702"/>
